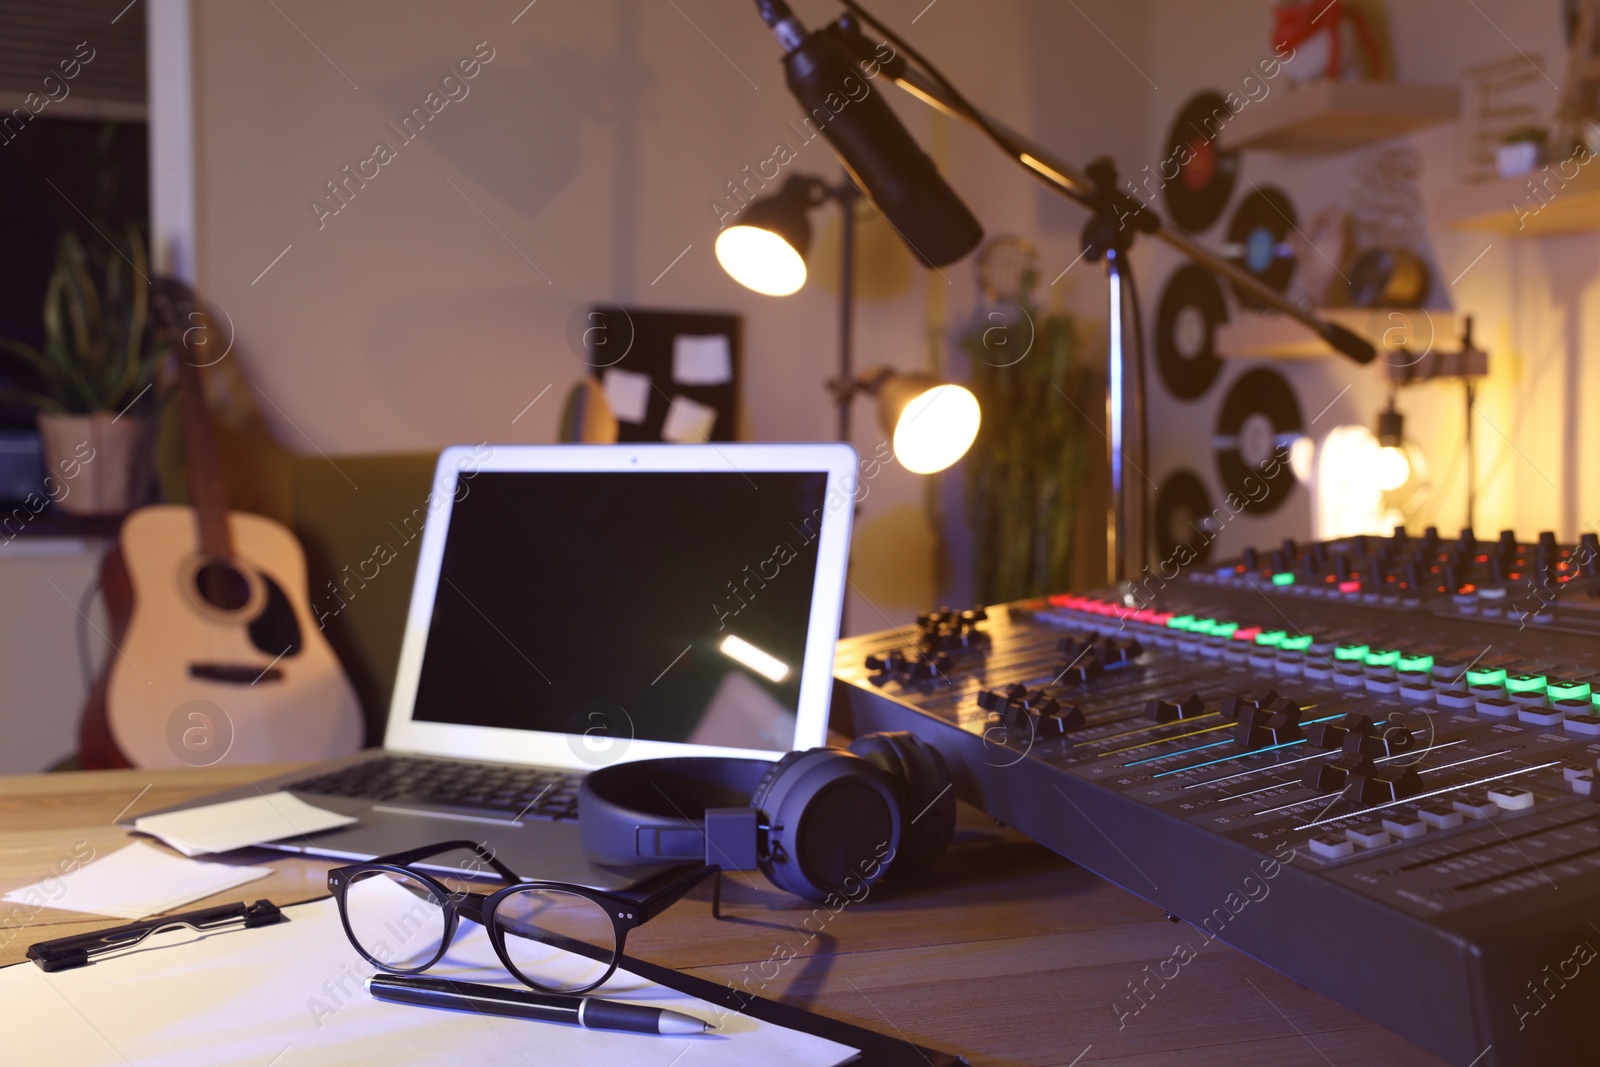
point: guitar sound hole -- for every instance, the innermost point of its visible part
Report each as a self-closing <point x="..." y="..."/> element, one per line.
<point x="223" y="586"/>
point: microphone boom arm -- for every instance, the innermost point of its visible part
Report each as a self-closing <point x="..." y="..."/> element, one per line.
<point x="1067" y="181"/>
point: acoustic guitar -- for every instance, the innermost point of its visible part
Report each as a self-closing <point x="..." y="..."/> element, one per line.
<point x="216" y="657"/>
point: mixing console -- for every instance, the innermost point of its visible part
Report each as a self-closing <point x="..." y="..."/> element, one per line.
<point x="1403" y="731"/>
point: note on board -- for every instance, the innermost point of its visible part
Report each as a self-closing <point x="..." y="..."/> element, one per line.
<point x="628" y="393"/>
<point x="689" y="422"/>
<point x="701" y="360"/>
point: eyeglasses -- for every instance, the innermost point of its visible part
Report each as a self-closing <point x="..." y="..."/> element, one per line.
<point x="555" y="936"/>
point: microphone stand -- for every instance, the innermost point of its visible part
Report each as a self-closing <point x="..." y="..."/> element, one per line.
<point x="1115" y="219"/>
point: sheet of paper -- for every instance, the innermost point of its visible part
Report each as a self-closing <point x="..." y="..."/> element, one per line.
<point x="689" y="422"/>
<point x="133" y="882"/>
<point x="628" y="393"/>
<point x="295" y="990"/>
<point x="704" y="360"/>
<point x="239" y="823"/>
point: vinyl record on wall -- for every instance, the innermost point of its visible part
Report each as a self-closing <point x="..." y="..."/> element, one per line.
<point x="1258" y="422"/>
<point x="1258" y="240"/>
<point x="1183" y="508"/>
<point x="1186" y="323"/>
<point x="1199" y="191"/>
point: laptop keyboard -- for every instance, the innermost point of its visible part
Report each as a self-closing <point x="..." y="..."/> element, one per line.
<point x="536" y="792"/>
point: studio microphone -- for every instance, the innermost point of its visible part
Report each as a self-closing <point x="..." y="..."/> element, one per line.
<point x="883" y="160"/>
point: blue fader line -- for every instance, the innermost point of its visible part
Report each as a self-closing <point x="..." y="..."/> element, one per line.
<point x="1215" y="744"/>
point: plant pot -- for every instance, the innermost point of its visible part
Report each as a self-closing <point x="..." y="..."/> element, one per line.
<point x="97" y="464"/>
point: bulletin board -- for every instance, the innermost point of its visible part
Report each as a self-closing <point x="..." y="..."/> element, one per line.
<point x="667" y="375"/>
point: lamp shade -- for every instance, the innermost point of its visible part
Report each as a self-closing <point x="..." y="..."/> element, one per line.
<point x="931" y="423"/>
<point x="766" y="250"/>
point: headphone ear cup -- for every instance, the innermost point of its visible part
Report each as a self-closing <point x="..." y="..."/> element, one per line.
<point x="833" y="821"/>
<point x="928" y="802"/>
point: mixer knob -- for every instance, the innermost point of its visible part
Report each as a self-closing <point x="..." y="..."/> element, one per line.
<point x="874" y="664"/>
<point x="1400" y="534"/>
<point x="1449" y="578"/>
<point x="1362" y="543"/>
<point x="1497" y="568"/>
<point x="1331" y="777"/>
<point x="1547" y="542"/>
<point x="1507" y="545"/>
<point x="1589" y="554"/>
<point x="972" y="616"/>
<point x="1290" y="549"/>
<point x="1059" y="720"/>
<point x="1250" y="558"/>
<point x="1468" y="542"/>
<point x="1392" y="740"/>
<point x="1376" y="573"/>
<point x="1413" y="575"/>
<point x="1431" y="535"/>
<point x="989" y="700"/>
<point x="1325" y="735"/>
<point x="1372" y="784"/>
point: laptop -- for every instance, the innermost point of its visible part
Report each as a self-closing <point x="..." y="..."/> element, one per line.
<point x="580" y="605"/>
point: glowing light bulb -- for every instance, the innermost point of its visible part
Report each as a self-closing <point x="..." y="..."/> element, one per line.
<point x="936" y="429"/>
<point x="761" y="260"/>
<point x="1392" y="468"/>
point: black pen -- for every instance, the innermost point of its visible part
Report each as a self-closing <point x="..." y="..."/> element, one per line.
<point x="591" y="1012"/>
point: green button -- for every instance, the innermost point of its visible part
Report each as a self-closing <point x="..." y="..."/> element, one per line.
<point x="1414" y="663"/>
<point x="1222" y="629"/>
<point x="1297" y="643"/>
<point x="1524" y="683"/>
<point x="1272" y="638"/>
<point x="1383" y="657"/>
<point x="1283" y="579"/>
<point x="1349" y="652"/>
<point x="1491" y="677"/>
<point x="1186" y="622"/>
<point x="1562" y="690"/>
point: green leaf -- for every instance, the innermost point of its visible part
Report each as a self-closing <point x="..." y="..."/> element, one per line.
<point x="32" y="399"/>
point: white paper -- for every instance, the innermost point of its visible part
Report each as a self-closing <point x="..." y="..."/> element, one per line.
<point x="628" y="393"/>
<point x="239" y="823"/>
<point x="246" y="996"/>
<point x="703" y="360"/>
<point x="689" y="422"/>
<point x="133" y="882"/>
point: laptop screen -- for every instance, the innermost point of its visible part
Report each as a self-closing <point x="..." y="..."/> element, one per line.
<point x="662" y="606"/>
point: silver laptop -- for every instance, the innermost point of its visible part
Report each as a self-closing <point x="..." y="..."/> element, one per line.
<point x="577" y="606"/>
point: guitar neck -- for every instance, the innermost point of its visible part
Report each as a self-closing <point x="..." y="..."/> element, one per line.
<point x="207" y="492"/>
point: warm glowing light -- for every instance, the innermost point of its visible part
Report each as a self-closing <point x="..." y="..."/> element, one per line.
<point x="761" y="260"/>
<point x="936" y="429"/>
<point x="1392" y="468"/>
<point x="748" y="655"/>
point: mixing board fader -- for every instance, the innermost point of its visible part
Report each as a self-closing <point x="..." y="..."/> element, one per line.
<point x="1404" y="730"/>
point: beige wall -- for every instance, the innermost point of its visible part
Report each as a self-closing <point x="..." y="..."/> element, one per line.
<point x="433" y="307"/>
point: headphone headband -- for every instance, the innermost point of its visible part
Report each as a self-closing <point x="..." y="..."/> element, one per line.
<point x="632" y="816"/>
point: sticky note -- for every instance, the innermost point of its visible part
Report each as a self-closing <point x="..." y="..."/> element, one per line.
<point x="628" y="393"/>
<point x="239" y="823"/>
<point x="133" y="882"/>
<point x="701" y="360"/>
<point x="688" y="421"/>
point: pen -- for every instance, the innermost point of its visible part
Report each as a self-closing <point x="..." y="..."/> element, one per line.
<point x="591" y="1012"/>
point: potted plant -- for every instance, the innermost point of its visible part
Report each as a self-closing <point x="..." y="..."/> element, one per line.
<point x="1522" y="150"/>
<point x="95" y="375"/>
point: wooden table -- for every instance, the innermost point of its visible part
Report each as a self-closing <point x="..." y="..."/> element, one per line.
<point x="1007" y="954"/>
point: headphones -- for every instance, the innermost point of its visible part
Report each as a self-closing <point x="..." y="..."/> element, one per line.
<point x="817" y="823"/>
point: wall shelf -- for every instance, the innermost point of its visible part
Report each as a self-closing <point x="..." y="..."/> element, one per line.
<point x="1508" y="205"/>
<point x="1251" y="334"/>
<point x="1326" y="117"/>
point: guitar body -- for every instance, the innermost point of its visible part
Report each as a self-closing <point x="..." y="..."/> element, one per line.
<point x="218" y="660"/>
